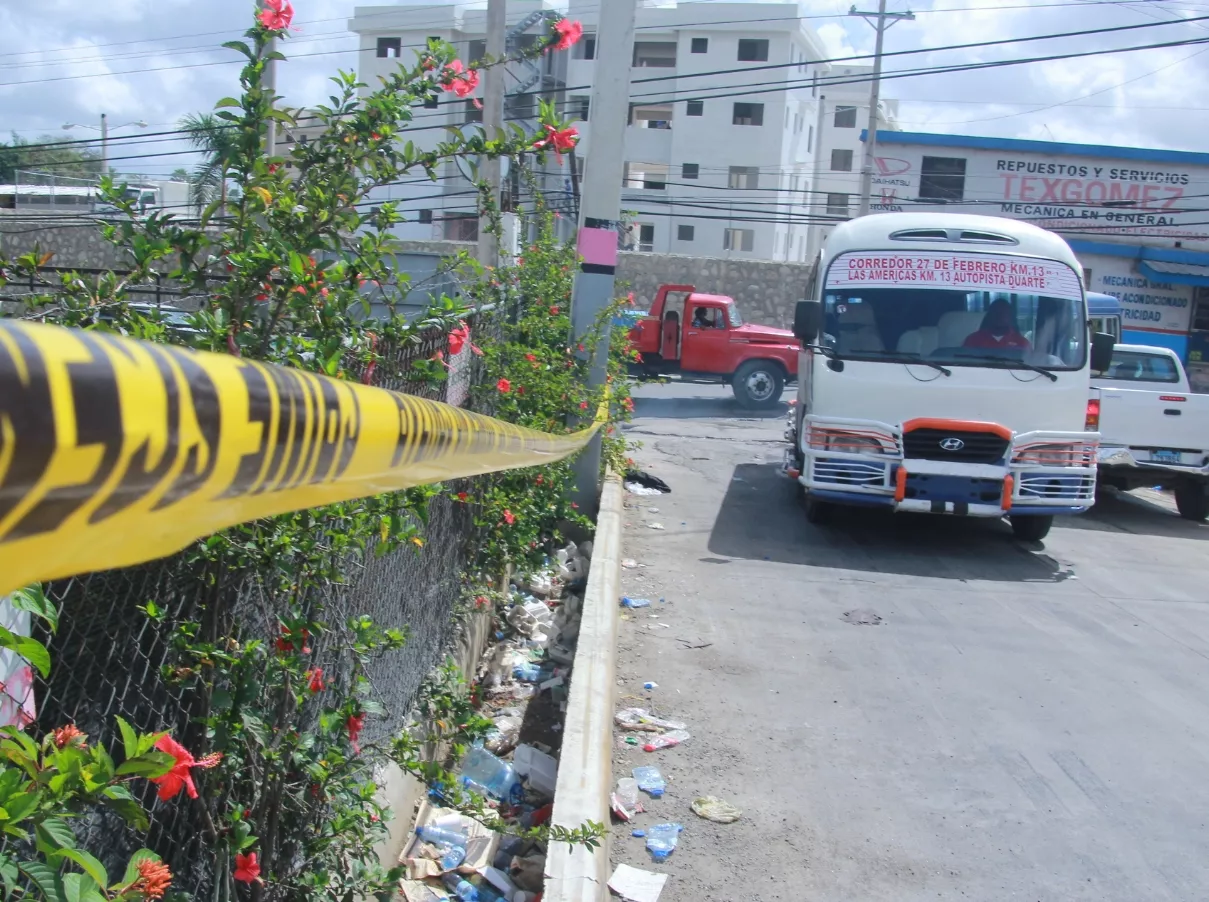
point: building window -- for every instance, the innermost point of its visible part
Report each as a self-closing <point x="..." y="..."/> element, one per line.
<point x="657" y="116"/>
<point x="845" y="117"/>
<point x="695" y="108"/>
<point x="690" y="170"/>
<point x="431" y="103"/>
<point x="748" y="114"/>
<point x="685" y="232"/>
<point x="744" y="177"/>
<point x="810" y="140"/>
<point x="738" y="239"/>
<point x="585" y="48"/>
<point x="426" y="216"/>
<point x="942" y="178"/>
<point x="700" y="45"/>
<point x="472" y="113"/>
<point x="654" y="54"/>
<point x="841" y="160"/>
<point x="837" y="204"/>
<point x="1086" y="278"/>
<point x="581" y="105"/>
<point x="461" y="227"/>
<point x="647" y="176"/>
<point x="753" y="50"/>
<point x="646" y="237"/>
<point x="389" y="48"/>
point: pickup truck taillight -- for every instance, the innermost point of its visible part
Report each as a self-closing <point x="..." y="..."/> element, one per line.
<point x="1092" y="423"/>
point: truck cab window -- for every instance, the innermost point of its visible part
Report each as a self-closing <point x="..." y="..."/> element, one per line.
<point x="707" y="318"/>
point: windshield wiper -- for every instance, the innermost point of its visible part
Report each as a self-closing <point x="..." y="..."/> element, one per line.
<point x="901" y="357"/>
<point x="1007" y="364"/>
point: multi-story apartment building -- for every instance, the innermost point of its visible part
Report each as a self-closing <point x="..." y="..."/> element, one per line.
<point x="730" y="106"/>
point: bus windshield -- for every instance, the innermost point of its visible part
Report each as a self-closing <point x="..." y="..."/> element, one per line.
<point x="875" y="311"/>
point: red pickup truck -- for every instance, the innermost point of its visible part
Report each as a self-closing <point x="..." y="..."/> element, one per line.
<point x="702" y="338"/>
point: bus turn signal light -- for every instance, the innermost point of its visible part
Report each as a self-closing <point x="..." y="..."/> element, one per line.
<point x="1092" y="423"/>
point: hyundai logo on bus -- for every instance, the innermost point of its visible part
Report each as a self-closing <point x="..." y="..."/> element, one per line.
<point x="952" y="444"/>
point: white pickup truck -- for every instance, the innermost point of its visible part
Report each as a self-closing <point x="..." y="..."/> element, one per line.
<point x="1153" y="430"/>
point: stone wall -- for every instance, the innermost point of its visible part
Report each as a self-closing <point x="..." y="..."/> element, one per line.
<point x="764" y="291"/>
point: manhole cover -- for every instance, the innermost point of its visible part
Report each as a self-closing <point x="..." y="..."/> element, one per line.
<point x="862" y="617"/>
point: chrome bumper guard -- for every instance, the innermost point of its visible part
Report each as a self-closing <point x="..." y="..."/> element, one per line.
<point x="1039" y="470"/>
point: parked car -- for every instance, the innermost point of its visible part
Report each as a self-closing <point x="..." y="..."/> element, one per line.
<point x="1154" y="430"/>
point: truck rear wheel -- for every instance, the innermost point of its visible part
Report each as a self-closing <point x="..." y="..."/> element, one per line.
<point x="1031" y="528"/>
<point x="1191" y="501"/>
<point x="758" y="384"/>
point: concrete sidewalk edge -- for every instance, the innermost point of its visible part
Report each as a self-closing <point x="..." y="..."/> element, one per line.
<point x="585" y="768"/>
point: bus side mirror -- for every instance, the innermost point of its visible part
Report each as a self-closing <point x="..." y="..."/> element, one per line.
<point x="807" y="320"/>
<point x="1101" y="351"/>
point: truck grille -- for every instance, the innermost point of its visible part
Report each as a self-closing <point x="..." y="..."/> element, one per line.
<point x="976" y="447"/>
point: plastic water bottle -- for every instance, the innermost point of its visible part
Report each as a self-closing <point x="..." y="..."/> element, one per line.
<point x="461" y="887"/>
<point x="650" y="780"/>
<point x="666" y="740"/>
<point x="483" y="771"/>
<point x="627" y="602"/>
<point x="528" y="671"/>
<point x="661" y="840"/>
<point x="441" y="836"/>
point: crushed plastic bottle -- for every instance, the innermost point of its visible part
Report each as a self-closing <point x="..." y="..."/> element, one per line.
<point x="666" y="740"/>
<point x="441" y="836"/>
<point x="527" y="672"/>
<point x="642" y="719"/>
<point x="627" y="792"/>
<point x="483" y="771"/>
<point x="627" y="602"/>
<point x="661" y="840"/>
<point x="650" y="780"/>
<point x="461" y="887"/>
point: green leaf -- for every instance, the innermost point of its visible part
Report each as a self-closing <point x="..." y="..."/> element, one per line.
<point x="46" y="879"/>
<point x="150" y="765"/>
<point x="30" y="649"/>
<point x="132" y="869"/>
<point x="227" y="101"/>
<point x="255" y="727"/>
<point x="18" y="806"/>
<point x="92" y="867"/>
<point x="241" y="47"/>
<point x="34" y="600"/>
<point x="9" y="875"/>
<point x="130" y="811"/>
<point x="55" y="834"/>
<point x="130" y="740"/>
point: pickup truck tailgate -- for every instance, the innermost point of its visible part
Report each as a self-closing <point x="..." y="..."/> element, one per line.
<point x="1162" y="421"/>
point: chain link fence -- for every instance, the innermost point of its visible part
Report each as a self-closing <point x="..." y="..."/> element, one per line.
<point x="110" y="659"/>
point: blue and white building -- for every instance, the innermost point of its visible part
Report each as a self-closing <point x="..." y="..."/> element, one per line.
<point x="1137" y="218"/>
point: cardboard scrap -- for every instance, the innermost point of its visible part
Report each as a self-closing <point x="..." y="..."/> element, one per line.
<point x="423" y="860"/>
<point x="637" y="885"/>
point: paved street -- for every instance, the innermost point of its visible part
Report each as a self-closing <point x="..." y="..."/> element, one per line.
<point x="1025" y="723"/>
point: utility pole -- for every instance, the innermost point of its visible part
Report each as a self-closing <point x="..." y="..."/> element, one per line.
<point x="104" y="144"/>
<point x="883" y="21"/>
<point x="600" y="207"/>
<point x="493" y="121"/>
<point x="270" y="87"/>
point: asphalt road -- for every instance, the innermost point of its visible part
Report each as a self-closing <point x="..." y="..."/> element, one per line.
<point x="1026" y="722"/>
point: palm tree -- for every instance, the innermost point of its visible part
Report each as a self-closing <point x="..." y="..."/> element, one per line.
<point x="216" y="140"/>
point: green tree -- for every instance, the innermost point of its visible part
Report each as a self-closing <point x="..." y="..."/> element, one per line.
<point x="58" y="156"/>
<point x="217" y="140"/>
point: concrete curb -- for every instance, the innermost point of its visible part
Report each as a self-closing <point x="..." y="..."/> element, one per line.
<point x="585" y="766"/>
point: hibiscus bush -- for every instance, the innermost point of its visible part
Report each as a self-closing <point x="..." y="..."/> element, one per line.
<point x="298" y="270"/>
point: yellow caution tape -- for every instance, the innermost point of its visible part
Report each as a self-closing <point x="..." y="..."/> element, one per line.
<point x="114" y="452"/>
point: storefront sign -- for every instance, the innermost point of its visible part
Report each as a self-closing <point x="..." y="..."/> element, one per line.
<point x="1145" y="305"/>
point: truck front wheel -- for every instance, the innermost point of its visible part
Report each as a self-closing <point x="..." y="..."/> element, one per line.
<point x="1191" y="501"/>
<point x="758" y="384"/>
<point x="1032" y="528"/>
<point x="817" y="512"/>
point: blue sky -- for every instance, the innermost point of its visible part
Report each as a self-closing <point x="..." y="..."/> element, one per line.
<point x="156" y="60"/>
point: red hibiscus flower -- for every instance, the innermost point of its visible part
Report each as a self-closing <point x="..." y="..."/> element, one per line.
<point x="171" y="783"/>
<point x="276" y="15"/>
<point x="355" y="724"/>
<point x="315" y="680"/>
<point x="462" y="496"/>
<point x="247" y="868"/>
<point x="509" y="517"/>
<point x="558" y="140"/>
<point x="504" y="386"/>
<point x="530" y="358"/>
<point x="554" y="311"/>
<point x="458" y="338"/>
<point x="583" y="405"/>
<point x="568" y="34"/>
